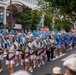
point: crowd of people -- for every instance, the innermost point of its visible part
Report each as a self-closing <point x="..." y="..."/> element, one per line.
<point x="33" y="46"/>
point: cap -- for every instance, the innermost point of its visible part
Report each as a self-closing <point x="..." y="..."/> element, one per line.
<point x="57" y="70"/>
<point x="70" y="63"/>
<point x="21" y="72"/>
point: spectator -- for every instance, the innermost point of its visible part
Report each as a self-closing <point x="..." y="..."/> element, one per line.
<point x="70" y="66"/>
<point x="21" y="72"/>
<point x="57" y="71"/>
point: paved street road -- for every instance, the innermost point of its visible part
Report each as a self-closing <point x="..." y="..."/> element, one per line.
<point x="47" y="68"/>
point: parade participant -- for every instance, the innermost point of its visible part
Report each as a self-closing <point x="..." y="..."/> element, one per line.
<point x="26" y="55"/>
<point x="22" y="42"/>
<point x="53" y="41"/>
<point x="62" y="42"/>
<point x="18" y="49"/>
<point x="43" y="50"/>
<point x="37" y="45"/>
<point x="74" y="40"/>
<point x="11" y="55"/>
<point x="58" y="47"/>
<point x="1" y="52"/>
<point x="48" y="50"/>
<point x="69" y="42"/>
<point x="39" y="49"/>
<point x="30" y="47"/>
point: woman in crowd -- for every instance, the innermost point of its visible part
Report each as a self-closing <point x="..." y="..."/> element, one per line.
<point x="11" y="55"/>
<point x="48" y="48"/>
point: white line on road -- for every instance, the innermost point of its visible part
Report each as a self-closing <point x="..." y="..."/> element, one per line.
<point x="70" y="56"/>
<point x="59" y="56"/>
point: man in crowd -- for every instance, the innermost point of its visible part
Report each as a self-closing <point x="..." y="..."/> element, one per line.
<point x="57" y="71"/>
<point x="70" y="66"/>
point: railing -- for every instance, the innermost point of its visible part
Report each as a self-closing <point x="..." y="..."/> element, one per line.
<point x="3" y="0"/>
<point x="29" y="1"/>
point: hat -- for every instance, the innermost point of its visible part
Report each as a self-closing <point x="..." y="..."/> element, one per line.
<point x="21" y="72"/>
<point x="57" y="70"/>
<point x="70" y="63"/>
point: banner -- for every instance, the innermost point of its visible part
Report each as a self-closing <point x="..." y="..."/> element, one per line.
<point x="17" y="26"/>
<point x="44" y="29"/>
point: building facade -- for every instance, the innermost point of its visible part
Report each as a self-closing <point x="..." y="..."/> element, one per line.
<point x="4" y="4"/>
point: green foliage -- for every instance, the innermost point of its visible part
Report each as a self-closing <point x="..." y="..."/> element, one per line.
<point x="36" y="19"/>
<point x="58" y="24"/>
<point x="67" y="26"/>
<point x="66" y="6"/>
<point x="48" y="21"/>
<point x="26" y="19"/>
<point x="29" y="18"/>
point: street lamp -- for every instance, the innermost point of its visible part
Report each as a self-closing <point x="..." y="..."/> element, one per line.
<point x="1" y="14"/>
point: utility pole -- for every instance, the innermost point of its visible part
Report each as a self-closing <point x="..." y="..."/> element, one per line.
<point x="10" y="14"/>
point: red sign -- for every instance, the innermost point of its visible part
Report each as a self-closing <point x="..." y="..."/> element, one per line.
<point x="44" y="29"/>
<point x="73" y="30"/>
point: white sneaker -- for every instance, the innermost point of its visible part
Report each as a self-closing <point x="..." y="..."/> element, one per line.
<point x="71" y="48"/>
<point x="57" y="56"/>
<point x="34" y="66"/>
<point x="43" y="63"/>
<point x="17" y="64"/>
<point x="31" y="70"/>
<point x="39" y="65"/>
<point x="22" y="64"/>
<point x="1" y="70"/>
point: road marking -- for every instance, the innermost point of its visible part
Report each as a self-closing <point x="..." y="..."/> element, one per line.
<point x="59" y="56"/>
<point x="70" y="56"/>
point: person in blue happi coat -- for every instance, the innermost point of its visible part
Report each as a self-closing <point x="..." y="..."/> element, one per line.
<point x="68" y="41"/>
<point x="74" y="40"/>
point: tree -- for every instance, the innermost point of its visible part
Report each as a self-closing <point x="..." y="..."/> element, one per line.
<point x="67" y="6"/>
<point x="36" y="19"/>
<point x="58" y="24"/>
<point x="67" y="26"/>
<point x="48" y="21"/>
<point x="26" y="17"/>
<point x="29" y="18"/>
<point x="46" y="6"/>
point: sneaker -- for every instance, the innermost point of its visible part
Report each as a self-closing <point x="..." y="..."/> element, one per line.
<point x="31" y="70"/>
<point x="1" y="70"/>
<point x="21" y="63"/>
<point x="57" y="56"/>
<point x="17" y="64"/>
<point x="39" y="65"/>
<point x="34" y="66"/>
<point x="71" y="48"/>
<point x="43" y="63"/>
